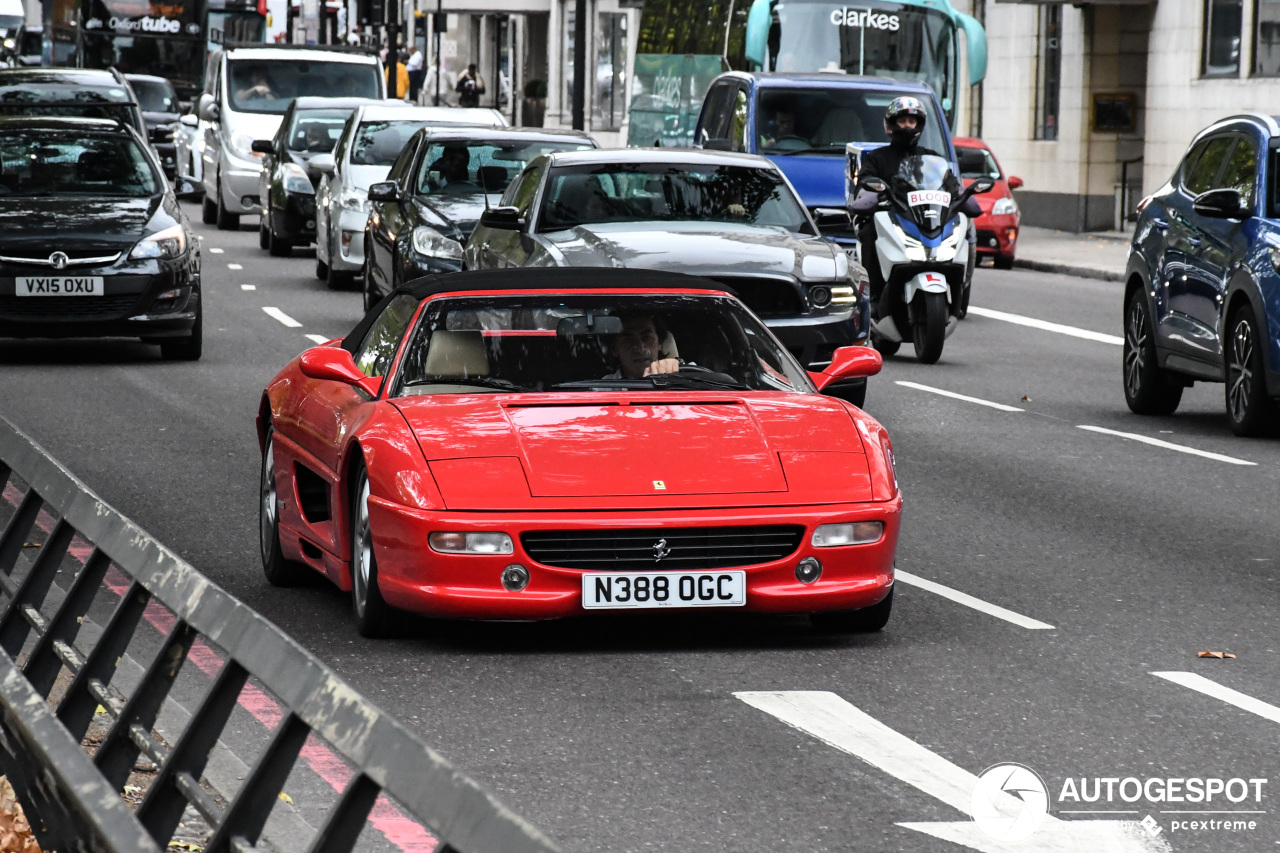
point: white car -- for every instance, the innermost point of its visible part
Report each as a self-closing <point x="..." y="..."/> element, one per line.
<point x="188" y="143"/>
<point x="370" y="142"/>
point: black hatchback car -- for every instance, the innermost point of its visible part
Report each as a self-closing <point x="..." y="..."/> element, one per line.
<point x="92" y="241"/>
<point x="70" y="92"/>
<point x="161" y="112"/>
<point x="438" y="187"/>
<point x="287" y="185"/>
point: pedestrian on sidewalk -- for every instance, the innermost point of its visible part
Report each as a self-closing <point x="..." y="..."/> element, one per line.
<point x="416" y="74"/>
<point x="399" y="89"/>
<point x="470" y="87"/>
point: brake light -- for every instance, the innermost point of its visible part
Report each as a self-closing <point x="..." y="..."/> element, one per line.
<point x="1143" y="204"/>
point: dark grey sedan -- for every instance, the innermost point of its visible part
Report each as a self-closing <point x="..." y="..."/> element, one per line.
<point x="732" y="218"/>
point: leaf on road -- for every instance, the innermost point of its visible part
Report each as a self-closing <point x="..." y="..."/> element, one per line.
<point x="1219" y="655"/>
<point x="288" y="799"/>
<point x="1026" y="399"/>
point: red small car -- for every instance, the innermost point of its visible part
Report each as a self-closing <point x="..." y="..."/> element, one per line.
<point x="537" y="444"/>
<point x="998" y="224"/>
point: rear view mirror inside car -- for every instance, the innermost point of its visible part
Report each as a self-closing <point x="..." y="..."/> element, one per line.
<point x="589" y="324"/>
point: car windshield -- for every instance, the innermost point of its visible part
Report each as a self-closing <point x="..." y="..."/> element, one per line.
<point x="669" y="192"/>
<point x="477" y="165"/>
<point x="9" y="23"/>
<point x="822" y="121"/>
<point x="977" y="163"/>
<point x="256" y="86"/>
<point x="593" y="342"/>
<point x="155" y="96"/>
<point x="316" y="131"/>
<point x="379" y="143"/>
<point x="43" y="163"/>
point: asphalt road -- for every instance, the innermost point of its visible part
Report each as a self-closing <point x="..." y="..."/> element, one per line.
<point x="619" y="735"/>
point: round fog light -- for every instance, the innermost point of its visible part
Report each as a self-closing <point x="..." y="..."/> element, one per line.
<point x="247" y="201"/>
<point x="820" y="296"/>
<point x="993" y="242"/>
<point x="515" y="577"/>
<point x="808" y="570"/>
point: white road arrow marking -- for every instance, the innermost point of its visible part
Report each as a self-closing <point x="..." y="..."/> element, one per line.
<point x="834" y="721"/>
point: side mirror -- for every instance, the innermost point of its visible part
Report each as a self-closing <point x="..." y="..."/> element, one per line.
<point x="336" y="365"/>
<point x="834" y="218"/>
<point x="981" y="185"/>
<point x="1014" y="183"/>
<point x="262" y="146"/>
<point x="208" y="110"/>
<point x="184" y="106"/>
<point x="718" y="145"/>
<point x="849" y="363"/>
<point x="190" y="120"/>
<point x="504" y="218"/>
<point x="1221" y="204"/>
<point x="874" y="185"/>
<point x="323" y="163"/>
<point x="384" y="191"/>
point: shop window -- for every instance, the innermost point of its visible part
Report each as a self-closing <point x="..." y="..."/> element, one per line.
<point x="1266" y="39"/>
<point x="1048" y="71"/>
<point x="610" y="106"/>
<point x="1223" y="20"/>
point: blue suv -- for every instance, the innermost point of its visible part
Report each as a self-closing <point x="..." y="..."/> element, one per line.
<point x="1202" y="298"/>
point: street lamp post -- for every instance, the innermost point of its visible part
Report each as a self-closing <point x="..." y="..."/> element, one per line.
<point x="580" y="65"/>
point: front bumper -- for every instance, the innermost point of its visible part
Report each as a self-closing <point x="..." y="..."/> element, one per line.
<point x="297" y="221"/>
<point x="997" y="235"/>
<point x="240" y="182"/>
<point x="413" y="577"/>
<point x="812" y="339"/>
<point x="129" y="307"/>
<point x="346" y="253"/>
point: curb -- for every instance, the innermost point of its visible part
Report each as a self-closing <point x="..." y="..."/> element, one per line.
<point x="1068" y="269"/>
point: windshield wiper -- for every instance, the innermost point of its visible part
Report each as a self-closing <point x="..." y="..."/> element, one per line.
<point x="478" y="381"/>
<point x="824" y="149"/>
<point x="658" y="380"/>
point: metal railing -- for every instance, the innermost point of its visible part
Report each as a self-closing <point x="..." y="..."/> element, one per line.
<point x="73" y="801"/>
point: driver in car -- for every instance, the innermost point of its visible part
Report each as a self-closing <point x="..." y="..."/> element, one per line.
<point x="784" y="123"/>
<point x="638" y="348"/>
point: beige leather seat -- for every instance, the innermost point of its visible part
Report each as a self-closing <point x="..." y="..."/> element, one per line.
<point x="456" y="354"/>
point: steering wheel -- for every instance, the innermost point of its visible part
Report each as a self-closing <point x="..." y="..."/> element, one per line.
<point x="791" y="142"/>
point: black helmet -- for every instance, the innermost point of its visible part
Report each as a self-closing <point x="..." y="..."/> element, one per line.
<point x="905" y="106"/>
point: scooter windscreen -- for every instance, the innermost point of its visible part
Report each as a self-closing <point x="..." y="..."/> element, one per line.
<point x="922" y="191"/>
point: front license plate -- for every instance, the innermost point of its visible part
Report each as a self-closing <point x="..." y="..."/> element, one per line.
<point x="61" y="285"/>
<point x="617" y="590"/>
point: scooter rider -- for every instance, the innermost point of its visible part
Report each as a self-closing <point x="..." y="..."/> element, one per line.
<point x="904" y="122"/>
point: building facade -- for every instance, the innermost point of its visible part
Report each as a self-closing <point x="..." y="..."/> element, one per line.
<point x="1093" y="105"/>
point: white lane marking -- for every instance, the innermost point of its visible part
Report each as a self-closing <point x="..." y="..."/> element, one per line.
<point x="839" y="724"/>
<point x="234" y="267"/>
<point x="318" y="339"/>
<point x="1200" y="684"/>
<point x="1167" y="445"/>
<point x="970" y="601"/>
<point x="953" y="395"/>
<point x="1046" y="326"/>
<point x="248" y="287"/>
<point x="215" y="251"/>
<point x="277" y="314"/>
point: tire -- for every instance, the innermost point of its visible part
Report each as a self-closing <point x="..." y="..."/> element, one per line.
<point x="369" y="301"/>
<point x="337" y="279"/>
<point x="373" y="616"/>
<point x="962" y="307"/>
<point x="884" y="346"/>
<point x="279" y="571"/>
<point x="226" y="220"/>
<point x="1003" y="262"/>
<point x="928" y="336"/>
<point x="1249" y="409"/>
<point x="189" y="348"/>
<point x="279" y="248"/>
<point x="208" y="211"/>
<point x="322" y="270"/>
<point x="864" y="621"/>
<point x="1148" y="388"/>
<point x="264" y="237"/>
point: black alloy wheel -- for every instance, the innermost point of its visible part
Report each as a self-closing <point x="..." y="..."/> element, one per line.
<point x="322" y="270"/>
<point x="279" y="571"/>
<point x="864" y="621"/>
<point x="1249" y="409"/>
<point x="188" y="348"/>
<point x="374" y="617"/>
<point x="279" y="247"/>
<point x="1149" y="389"/>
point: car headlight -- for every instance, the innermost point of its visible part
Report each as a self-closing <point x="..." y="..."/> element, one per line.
<point x="166" y="244"/>
<point x="10" y="44"/>
<point x="355" y="200"/>
<point x="1004" y="206"/>
<point x="242" y="144"/>
<point x="843" y="294"/>
<point x="430" y="242"/>
<point x="296" y="180"/>
<point x="471" y="543"/>
<point x="854" y="533"/>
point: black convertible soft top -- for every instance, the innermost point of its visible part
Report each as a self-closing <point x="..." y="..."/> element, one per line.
<point x="550" y="278"/>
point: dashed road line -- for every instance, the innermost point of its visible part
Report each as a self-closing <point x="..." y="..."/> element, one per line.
<point x="1046" y="326"/>
<point x="1200" y="684"/>
<point x="318" y="339"/>
<point x="953" y="395"/>
<point x="1167" y="445"/>
<point x="215" y="251"/>
<point x="248" y="287"/>
<point x="234" y="267"/>
<point x="971" y="601"/>
<point x="277" y="314"/>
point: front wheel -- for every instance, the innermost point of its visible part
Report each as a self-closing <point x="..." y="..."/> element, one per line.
<point x="264" y="238"/>
<point x="930" y="331"/>
<point x="1249" y="409"/>
<point x="1149" y="389"/>
<point x="227" y="221"/>
<point x="279" y="571"/>
<point x="1003" y="262"/>
<point x="189" y="348"/>
<point x="864" y="621"/>
<point x="209" y="211"/>
<point x="374" y="617"/>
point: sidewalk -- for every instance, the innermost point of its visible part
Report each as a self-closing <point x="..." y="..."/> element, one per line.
<point x="1098" y="254"/>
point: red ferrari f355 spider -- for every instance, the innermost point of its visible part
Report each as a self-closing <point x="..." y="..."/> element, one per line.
<point x="541" y="444"/>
